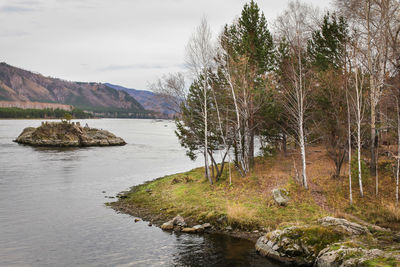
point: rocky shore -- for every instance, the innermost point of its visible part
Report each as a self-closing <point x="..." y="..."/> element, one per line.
<point x="331" y="242"/>
<point x="323" y="241"/>
<point x="66" y="134"/>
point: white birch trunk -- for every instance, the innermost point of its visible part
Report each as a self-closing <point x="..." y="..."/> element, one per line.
<point x="240" y="157"/>
<point x="359" y="104"/>
<point x="206" y="162"/>
<point x="349" y="149"/>
<point x="301" y="121"/>
<point x="398" y="154"/>
<point x="303" y="155"/>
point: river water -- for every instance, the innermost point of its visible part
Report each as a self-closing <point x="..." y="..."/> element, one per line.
<point x="52" y="210"/>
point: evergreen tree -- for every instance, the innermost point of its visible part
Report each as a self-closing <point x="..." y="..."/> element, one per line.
<point x="249" y="40"/>
<point x="327" y="51"/>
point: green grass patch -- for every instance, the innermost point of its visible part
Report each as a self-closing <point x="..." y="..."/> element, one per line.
<point x="381" y="261"/>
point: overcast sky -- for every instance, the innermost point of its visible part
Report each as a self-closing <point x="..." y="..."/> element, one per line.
<point x="125" y="42"/>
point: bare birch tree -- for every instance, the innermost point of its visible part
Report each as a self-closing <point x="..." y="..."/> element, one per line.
<point x="199" y="60"/>
<point x="359" y="111"/>
<point x="375" y="20"/>
<point x="171" y="89"/>
<point x="295" y="26"/>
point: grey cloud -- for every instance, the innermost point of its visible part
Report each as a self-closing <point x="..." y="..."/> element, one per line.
<point x="14" y="34"/>
<point x="21" y="6"/>
<point x="15" y="9"/>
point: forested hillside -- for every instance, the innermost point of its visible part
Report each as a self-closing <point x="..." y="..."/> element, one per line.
<point x="21" y="85"/>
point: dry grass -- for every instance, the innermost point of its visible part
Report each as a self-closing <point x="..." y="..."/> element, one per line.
<point x="248" y="203"/>
<point x="239" y="215"/>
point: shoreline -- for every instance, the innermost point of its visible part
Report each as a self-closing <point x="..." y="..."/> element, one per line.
<point x="158" y="218"/>
<point x="246" y="209"/>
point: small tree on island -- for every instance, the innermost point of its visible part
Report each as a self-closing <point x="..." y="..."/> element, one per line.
<point x="67" y="117"/>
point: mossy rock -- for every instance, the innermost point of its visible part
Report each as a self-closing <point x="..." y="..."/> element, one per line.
<point x="298" y="244"/>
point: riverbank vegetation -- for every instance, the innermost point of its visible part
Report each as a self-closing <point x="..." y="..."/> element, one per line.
<point x="248" y="204"/>
<point x="19" y="113"/>
<point x="306" y="79"/>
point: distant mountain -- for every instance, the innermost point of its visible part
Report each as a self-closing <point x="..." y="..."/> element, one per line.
<point x="147" y="99"/>
<point x="20" y="85"/>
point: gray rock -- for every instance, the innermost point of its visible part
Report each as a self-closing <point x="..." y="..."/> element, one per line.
<point x="222" y="219"/>
<point x="194" y="229"/>
<point x="189" y="230"/>
<point x="280" y="196"/>
<point x="228" y="228"/>
<point x="176" y="224"/>
<point x="206" y="225"/>
<point x="199" y="228"/>
<point x="290" y="245"/>
<point x="344" y="225"/>
<point x="349" y="256"/>
<point x="167" y="225"/>
<point x="179" y="221"/>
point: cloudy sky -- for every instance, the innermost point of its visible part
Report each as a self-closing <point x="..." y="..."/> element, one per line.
<point x="125" y="42"/>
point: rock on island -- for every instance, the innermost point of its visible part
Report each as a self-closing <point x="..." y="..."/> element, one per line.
<point x="66" y="134"/>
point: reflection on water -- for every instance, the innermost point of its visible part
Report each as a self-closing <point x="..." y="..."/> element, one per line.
<point x="52" y="210"/>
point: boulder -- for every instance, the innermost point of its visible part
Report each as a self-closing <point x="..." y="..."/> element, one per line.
<point x="280" y="196"/>
<point x="339" y="255"/>
<point x="195" y="229"/>
<point x="168" y="225"/>
<point x="344" y="225"/>
<point x="179" y="221"/>
<point x="199" y="228"/>
<point x="206" y="225"/>
<point x="297" y="244"/>
<point x="189" y="230"/>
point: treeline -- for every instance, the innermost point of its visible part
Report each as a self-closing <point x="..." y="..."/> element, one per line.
<point x="19" y="113"/>
<point x="111" y="112"/>
<point x="329" y="79"/>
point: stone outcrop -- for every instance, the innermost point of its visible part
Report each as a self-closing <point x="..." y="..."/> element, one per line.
<point x="64" y="134"/>
<point x="280" y="196"/>
<point x="297" y="244"/>
<point x="340" y="255"/>
<point x="332" y="242"/>
<point x="344" y="225"/>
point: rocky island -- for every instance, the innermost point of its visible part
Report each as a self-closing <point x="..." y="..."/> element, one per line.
<point x="66" y="134"/>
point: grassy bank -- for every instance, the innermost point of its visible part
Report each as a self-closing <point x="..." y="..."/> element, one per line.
<point x="247" y="203"/>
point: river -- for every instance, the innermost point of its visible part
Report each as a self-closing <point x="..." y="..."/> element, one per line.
<point x="52" y="210"/>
